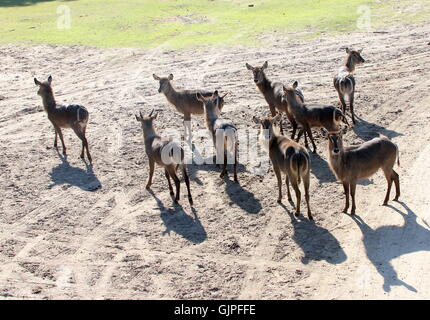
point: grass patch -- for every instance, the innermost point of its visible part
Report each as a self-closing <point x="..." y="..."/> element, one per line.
<point x="188" y="23"/>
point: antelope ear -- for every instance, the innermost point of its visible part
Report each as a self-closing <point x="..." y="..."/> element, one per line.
<point x="170" y="77"/>
<point x="137" y="118"/>
<point x="360" y="51"/>
<point x="249" y="67"/>
<point x="265" y="65"/>
<point x="215" y="94"/>
<point x="200" y="97"/>
<point x="155" y="76"/>
<point x="49" y="80"/>
<point x="347" y="50"/>
<point x="295" y="84"/>
<point x="37" y="82"/>
<point x="256" y="120"/>
<point x="154" y="116"/>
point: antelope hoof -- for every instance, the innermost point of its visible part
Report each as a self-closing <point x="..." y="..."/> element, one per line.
<point x="64" y="153"/>
<point x="310" y="217"/>
<point x="385" y="203"/>
<point x="353" y="212"/>
<point x="297" y="214"/>
<point x="279" y="201"/>
<point x="172" y="193"/>
<point x="396" y="198"/>
<point x="148" y="186"/>
<point x="236" y="180"/>
<point x="345" y="210"/>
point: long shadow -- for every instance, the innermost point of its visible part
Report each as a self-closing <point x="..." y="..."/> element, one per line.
<point x="20" y="3"/>
<point x="367" y="130"/>
<point x="389" y="242"/>
<point x="242" y="197"/>
<point x="316" y="242"/>
<point x="177" y="220"/>
<point x="64" y="173"/>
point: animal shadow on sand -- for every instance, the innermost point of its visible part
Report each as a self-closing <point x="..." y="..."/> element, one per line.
<point x="316" y="242"/>
<point x="242" y="197"/>
<point x="65" y="174"/>
<point x="320" y="169"/>
<point x="366" y="130"/>
<point x="386" y="243"/>
<point x="177" y="220"/>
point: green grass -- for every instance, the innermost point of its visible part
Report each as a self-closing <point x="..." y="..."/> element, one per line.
<point x="187" y="23"/>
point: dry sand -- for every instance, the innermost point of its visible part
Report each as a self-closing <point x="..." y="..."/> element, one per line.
<point x="60" y="238"/>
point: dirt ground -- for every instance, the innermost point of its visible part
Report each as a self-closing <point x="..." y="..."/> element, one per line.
<point x="69" y="231"/>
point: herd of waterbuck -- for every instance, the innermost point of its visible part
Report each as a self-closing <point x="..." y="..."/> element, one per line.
<point x="349" y="164"/>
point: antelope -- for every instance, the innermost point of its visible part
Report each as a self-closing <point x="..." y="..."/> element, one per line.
<point x="221" y="131"/>
<point x="272" y="92"/>
<point x="344" y="81"/>
<point x="166" y="153"/>
<point x="287" y="157"/>
<point x="72" y="116"/>
<point x="350" y="164"/>
<point x="312" y="116"/>
<point x="185" y="101"/>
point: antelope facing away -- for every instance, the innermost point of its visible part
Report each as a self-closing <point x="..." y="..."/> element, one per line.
<point x="273" y="92"/>
<point x="185" y="101"/>
<point x="350" y="164"/>
<point x="344" y="81"/>
<point x="72" y="116"/>
<point x="166" y="153"/>
<point x="287" y="157"/>
<point x="224" y="133"/>
<point x="312" y="116"/>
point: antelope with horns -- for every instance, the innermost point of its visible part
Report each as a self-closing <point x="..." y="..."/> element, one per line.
<point x="224" y="133"/>
<point x="287" y="157"/>
<point x="344" y="81"/>
<point x="312" y="116"/>
<point x="350" y="164"/>
<point x="72" y="116"/>
<point x="185" y="101"/>
<point x="273" y="92"/>
<point x="166" y="153"/>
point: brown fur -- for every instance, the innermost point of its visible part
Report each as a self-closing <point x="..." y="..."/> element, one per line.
<point x="313" y="116"/>
<point x="350" y="164"/>
<point x="185" y="101"/>
<point x="154" y="146"/>
<point x="216" y="125"/>
<point x="289" y="158"/>
<point x="344" y="81"/>
<point x="72" y="116"/>
<point x="273" y="92"/>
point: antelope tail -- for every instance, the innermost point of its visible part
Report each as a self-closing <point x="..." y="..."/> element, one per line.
<point x="398" y="157"/>
<point x="298" y="168"/>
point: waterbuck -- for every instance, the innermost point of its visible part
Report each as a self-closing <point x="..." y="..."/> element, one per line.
<point x="273" y="92"/>
<point x="312" y="116"/>
<point x="185" y="101"/>
<point x="224" y="132"/>
<point x="166" y="153"/>
<point x="73" y="116"/>
<point x="287" y="157"/>
<point x="344" y="81"/>
<point x="350" y="164"/>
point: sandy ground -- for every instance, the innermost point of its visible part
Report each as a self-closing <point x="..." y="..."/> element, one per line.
<point x="69" y="231"/>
